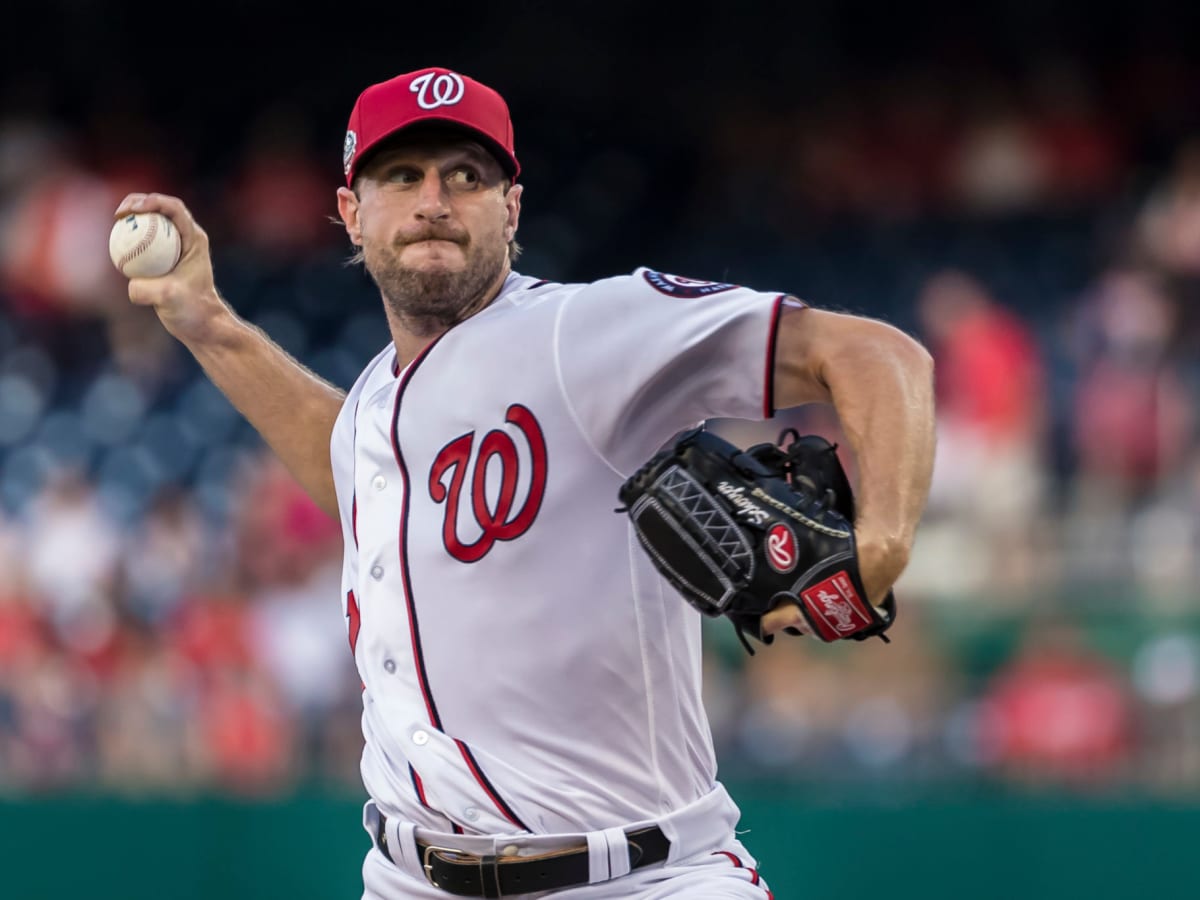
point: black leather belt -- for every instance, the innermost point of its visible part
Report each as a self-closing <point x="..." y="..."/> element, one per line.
<point x="468" y="875"/>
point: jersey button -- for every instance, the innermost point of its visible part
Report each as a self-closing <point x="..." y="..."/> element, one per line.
<point x="377" y="572"/>
<point x="420" y="738"/>
<point x="379" y="482"/>
<point x="470" y="814"/>
<point x="390" y="665"/>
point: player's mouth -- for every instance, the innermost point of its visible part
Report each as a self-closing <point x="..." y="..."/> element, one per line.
<point x="435" y="239"/>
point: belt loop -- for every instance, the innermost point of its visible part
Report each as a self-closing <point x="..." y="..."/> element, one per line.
<point x="402" y="846"/>
<point x="598" y="865"/>
<point x="489" y="876"/>
<point x="619" y="857"/>
<point x="370" y="819"/>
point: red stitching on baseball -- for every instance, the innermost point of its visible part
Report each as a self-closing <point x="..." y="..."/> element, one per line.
<point x="144" y="244"/>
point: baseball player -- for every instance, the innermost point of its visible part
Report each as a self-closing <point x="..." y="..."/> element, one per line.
<point x="531" y="686"/>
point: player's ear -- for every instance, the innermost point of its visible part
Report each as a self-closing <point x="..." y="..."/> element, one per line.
<point x="348" y="210"/>
<point x="512" y="204"/>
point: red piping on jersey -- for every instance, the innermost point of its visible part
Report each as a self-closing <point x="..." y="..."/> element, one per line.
<point x="769" y="374"/>
<point x="487" y="786"/>
<point x="418" y="657"/>
<point x="418" y="786"/>
<point x="354" y="624"/>
<point x="754" y="877"/>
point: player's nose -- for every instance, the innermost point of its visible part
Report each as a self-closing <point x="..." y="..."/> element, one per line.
<point x="433" y="200"/>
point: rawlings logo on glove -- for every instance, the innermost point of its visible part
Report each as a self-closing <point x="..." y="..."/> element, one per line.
<point x="738" y="531"/>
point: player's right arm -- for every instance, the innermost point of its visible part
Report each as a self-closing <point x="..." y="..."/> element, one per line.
<point x="292" y="408"/>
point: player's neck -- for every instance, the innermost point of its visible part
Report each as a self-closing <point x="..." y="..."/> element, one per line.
<point x="411" y="336"/>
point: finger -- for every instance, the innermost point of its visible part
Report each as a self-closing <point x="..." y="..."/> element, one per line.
<point x="125" y="207"/>
<point x="785" y="615"/>
<point x="142" y="292"/>
<point x="171" y="207"/>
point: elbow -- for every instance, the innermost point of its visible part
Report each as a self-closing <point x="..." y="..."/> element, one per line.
<point x="925" y="363"/>
<point x="915" y="352"/>
<point x="914" y="358"/>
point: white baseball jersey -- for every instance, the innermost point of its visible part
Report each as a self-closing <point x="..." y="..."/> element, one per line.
<point x="524" y="667"/>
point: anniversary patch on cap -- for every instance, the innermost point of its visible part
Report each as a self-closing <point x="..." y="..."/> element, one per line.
<point x="348" y="149"/>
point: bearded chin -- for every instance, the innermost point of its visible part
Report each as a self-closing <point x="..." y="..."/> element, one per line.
<point x="431" y="302"/>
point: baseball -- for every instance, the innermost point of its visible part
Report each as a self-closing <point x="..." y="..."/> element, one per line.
<point x="144" y="245"/>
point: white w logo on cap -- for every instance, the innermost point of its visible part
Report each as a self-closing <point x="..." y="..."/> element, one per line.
<point x="434" y="90"/>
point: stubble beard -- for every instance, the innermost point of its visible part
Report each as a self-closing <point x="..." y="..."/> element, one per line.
<point x="427" y="303"/>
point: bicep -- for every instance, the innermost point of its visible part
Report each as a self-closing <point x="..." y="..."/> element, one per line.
<point x="814" y="345"/>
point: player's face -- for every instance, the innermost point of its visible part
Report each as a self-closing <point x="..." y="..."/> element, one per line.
<point x="433" y="216"/>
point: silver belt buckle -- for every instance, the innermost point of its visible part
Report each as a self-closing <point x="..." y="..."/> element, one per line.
<point x="428" y="868"/>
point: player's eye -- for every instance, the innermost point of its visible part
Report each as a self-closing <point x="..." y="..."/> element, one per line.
<point x="463" y="176"/>
<point x="402" y="175"/>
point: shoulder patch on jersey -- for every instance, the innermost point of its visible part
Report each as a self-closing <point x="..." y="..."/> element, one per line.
<point x="678" y="286"/>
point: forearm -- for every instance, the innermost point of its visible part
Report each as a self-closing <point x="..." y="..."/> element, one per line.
<point x="883" y="394"/>
<point x="291" y="407"/>
<point x="880" y="381"/>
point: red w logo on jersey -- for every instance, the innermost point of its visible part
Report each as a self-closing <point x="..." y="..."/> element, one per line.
<point x="499" y="521"/>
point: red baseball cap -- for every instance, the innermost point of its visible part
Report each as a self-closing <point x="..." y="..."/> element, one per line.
<point x="429" y="95"/>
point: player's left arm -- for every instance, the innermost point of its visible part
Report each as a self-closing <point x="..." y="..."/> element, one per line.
<point x="880" y="382"/>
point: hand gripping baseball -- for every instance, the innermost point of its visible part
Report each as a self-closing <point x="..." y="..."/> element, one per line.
<point x="740" y="532"/>
<point x="186" y="297"/>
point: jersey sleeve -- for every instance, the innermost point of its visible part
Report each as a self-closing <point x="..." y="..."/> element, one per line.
<point x="642" y="356"/>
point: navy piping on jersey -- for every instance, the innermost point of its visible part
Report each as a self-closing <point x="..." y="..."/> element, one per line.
<point x="418" y="656"/>
<point x="473" y="765"/>
<point x="418" y="786"/>
<point x="354" y="473"/>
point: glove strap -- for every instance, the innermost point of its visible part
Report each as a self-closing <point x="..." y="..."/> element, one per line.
<point x="836" y="607"/>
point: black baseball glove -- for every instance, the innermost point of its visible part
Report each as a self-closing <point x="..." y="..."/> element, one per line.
<point x="737" y="531"/>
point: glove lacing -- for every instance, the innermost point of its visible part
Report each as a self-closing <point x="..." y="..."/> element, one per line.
<point x="790" y="451"/>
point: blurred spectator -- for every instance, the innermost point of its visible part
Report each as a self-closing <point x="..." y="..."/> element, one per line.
<point x="989" y="485"/>
<point x="908" y="148"/>
<point x="1165" y="669"/>
<point x="1167" y="229"/>
<point x="281" y="531"/>
<point x="1058" y="711"/>
<point x="54" y="230"/>
<point x="165" y="556"/>
<point x="53" y="700"/>
<point x="299" y="636"/>
<point x="72" y="551"/>
<point x="279" y="200"/>
<point x="998" y="165"/>
<point x="56" y="276"/>
<point x="210" y="632"/>
<point x="1132" y="420"/>
<point x="1077" y="138"/>
<point x="146" y="721"/>
<point x="247" y="743"/>
<point x="874" y="713"/>
<point x="898" y="695"/>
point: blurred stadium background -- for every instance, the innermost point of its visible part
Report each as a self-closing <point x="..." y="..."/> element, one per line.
<point x="1017" y="184"/>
